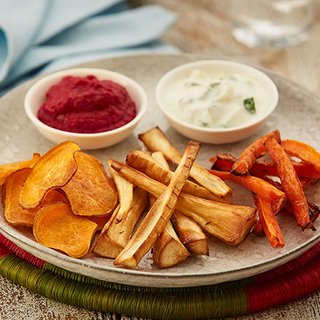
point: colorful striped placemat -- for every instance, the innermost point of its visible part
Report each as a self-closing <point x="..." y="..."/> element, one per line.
<point x="293" y="280"/>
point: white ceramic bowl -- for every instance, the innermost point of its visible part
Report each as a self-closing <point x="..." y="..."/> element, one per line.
<point x="220" y="135"/>
<point x="36" y="96"/>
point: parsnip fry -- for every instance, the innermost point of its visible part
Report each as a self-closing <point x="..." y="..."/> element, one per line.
<point x="190" y="234"/>
<point x="8" y="168"/>
<point x="146" y="164"/>
<point x="230" y="223"/>
<point x="188" y="231"/>
<point x="168" y="250"/>
<point x="52" y="170"/>
<point x="125" y="193"/>
<point x="159" y="214"/>
<point x="258" y="186"/>
<point x="250" y="154"/>
<point x="160" y="159"/>
<point x="155" y="140"/>
<point x="116" y="234"/>
<point x="90" y="191"/>
<point x="269" y="222"/>
<point x="290" y="182"/>
<point x="168" y="242"/>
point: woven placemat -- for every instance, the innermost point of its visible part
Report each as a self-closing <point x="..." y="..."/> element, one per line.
<point x="293" y="280"/>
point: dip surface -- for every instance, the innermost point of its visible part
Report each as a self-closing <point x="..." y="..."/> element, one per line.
<point x="215" y="100"/>
<point x="87" y="105"/>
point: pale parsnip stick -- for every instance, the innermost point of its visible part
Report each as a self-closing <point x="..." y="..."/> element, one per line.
<point x="159" y="214"/>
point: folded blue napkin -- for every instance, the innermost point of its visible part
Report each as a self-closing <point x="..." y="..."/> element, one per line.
<point x="38" y="36"/>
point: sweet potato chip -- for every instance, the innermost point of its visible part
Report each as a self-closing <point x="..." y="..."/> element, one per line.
<point x="90" y="191"/>
<point x="14" y="214"/>
<point x="56" y="227"/>
<point x="53" y="170"/>
<point x="53" y="196"/>
<point x="8" y="168"/>
<point x="99" y="220"/>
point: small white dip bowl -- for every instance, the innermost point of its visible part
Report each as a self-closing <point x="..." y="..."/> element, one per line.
<point x="216" y="68"/>
<point x="36" y="96"/>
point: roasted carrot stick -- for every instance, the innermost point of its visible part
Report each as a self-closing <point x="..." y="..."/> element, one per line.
<point x="249" y="155"/>
<point x="224" y="162"/>
<point x="256" y="185"/>
<point x="269" y="222"/>
<point x="314" y="210"/>
<point x="290" y="182"/>
<point x="303" y="151"/>
<point x="303" y="170"/>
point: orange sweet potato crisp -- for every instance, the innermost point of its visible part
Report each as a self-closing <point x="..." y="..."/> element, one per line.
<point x="55" y="226"/>
<point x="13" y="212"/>
<point x="9" y="168"/>
<point x="53" y="170"/>
<point x="90" y="191"/>
<point x="16" y="215"/>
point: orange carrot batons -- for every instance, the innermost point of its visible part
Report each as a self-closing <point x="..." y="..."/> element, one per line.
<point x="290" y="182"/>
<point x="269" y="222"/>
<point x="258" y="186"/>
<point x="303" y="151"/>
<point x="249" y="155"/>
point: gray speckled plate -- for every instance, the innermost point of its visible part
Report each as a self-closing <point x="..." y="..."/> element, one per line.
<point x="297" y="117"/>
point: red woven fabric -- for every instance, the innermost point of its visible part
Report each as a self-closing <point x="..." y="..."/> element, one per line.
<point x="289" y="287"/>
<point x="3" y="252"/>
<point x="7" y="244"/>
<point x="300" y="262"/>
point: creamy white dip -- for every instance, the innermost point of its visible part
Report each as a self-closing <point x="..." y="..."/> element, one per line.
<point x="214" y="101"/>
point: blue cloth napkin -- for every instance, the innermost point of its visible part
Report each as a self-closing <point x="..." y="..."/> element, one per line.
<point x="38" y="36"/>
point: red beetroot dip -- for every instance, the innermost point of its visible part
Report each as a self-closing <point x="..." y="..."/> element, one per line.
<point x="87" y="105"/>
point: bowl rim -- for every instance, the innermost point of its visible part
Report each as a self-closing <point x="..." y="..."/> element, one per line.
<point x="173" y="72"/>
<point x="114" y="76"/>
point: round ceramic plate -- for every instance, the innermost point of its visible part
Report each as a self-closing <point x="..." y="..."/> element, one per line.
<point x="297" y="117"/>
